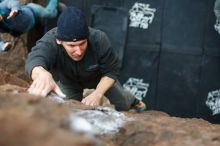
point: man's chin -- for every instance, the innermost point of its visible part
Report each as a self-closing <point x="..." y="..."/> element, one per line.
<point x="77" y="58"/>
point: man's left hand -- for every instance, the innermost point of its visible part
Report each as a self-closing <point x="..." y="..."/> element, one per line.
<point x="94" y="99"/>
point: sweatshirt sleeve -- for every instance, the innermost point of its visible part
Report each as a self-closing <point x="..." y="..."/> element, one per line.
<point x="43" y="54"/>
<point x="108" y="59"/>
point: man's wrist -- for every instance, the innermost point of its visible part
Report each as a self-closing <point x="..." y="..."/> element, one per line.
<point x="98" y="94"/>
<point x="36" y="70"/>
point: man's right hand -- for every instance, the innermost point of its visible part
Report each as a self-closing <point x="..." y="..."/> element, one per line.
<point x="43" y="83"/>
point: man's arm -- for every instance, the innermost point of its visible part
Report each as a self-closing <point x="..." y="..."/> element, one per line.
<point x="43" y="83"/>
<point x="40" y="60"/>
<point x="43" y="54"/>
<point x="95" y="97"/>
<point x="108" y="63"/>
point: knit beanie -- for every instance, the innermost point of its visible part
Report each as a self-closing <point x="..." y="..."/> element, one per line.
<point x="71" y="25"/>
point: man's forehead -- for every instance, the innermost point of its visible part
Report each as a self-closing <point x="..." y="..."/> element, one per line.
<point x="76" y="42"/>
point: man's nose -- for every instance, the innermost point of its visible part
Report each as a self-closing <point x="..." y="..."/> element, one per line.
<point x="78" y="50"/>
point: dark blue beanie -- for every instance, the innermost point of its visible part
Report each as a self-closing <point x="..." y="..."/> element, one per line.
<point x="71" y="25"/>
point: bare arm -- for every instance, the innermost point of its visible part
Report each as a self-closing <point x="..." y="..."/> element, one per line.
<point x="43" y="83"/>
<point x="95" y="97"/>
<point x="12" y="14"/>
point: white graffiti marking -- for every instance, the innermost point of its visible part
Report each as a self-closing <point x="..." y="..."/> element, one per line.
<point x="213" y="101"/>
<point x="141" y="15"/>
<point x="136" y="87"/>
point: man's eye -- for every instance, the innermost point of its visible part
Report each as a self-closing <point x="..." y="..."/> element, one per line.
<point x="71" y="45"/>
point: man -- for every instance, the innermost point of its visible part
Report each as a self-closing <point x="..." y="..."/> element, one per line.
<point x="16" y="19"/>
<point x="82" y="57"/>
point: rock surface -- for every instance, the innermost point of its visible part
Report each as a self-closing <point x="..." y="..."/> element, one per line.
<point x="33" y="120"/>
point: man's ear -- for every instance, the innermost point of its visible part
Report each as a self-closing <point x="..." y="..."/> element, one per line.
<point x="59" y="42"/>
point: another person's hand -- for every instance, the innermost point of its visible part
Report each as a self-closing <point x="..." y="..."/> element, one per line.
<point x="94" y="99"/>
<point x="12" y="14"/>
<point x="43" y="83"/>
<point x="7" y="46"/>
<point x="1" y="18"/>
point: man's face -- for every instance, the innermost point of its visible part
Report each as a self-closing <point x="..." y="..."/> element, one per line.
<point x="76" y="50"/>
